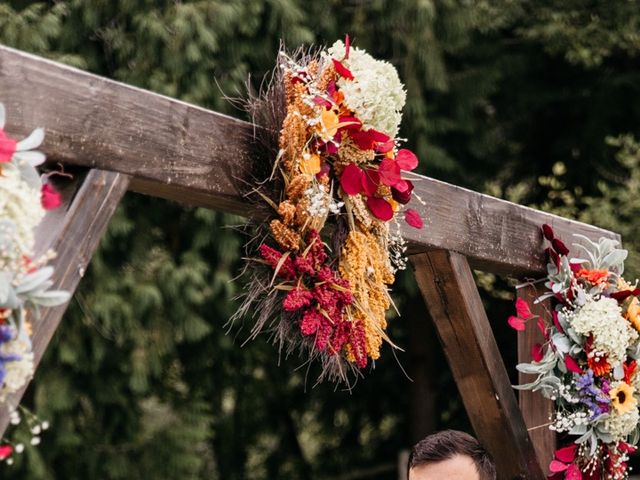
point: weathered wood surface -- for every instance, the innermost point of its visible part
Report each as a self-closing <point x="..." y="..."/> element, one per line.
<point x="73" y="231"/>
<point x="449" y="290"/>
<point x="536" y="410"/>
<point x="188" y="154"/>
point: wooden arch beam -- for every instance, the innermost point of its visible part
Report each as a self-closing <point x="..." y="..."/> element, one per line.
<point x="73" y="231"/>
<point x="185" y="153"/>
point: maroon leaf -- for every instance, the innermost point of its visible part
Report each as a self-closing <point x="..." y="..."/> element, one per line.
<point x="516" y="323"/>
<point x="370" y="182"/>
<point x="403" y="197"/>
<point x="413" y="218"/>
<point x="406" y="159"/>
<point x="522" y="309"/>
<point x="547" y="231"/>
<point x="559" y="246"/>
<point x="351" y="179"/>
<point x="567" y="454"/>
<point x="386" y="146"/>
<point x="380" y="208"/>
<point x="322" y="101"/>
<point x="624" y="294"/>
<point x="572" y="365"/>
<point x="347" y="46"/>
<point x="342" y="70"/>
<point x="389" y="172"/>
<point x="555" y="466"/>
<point x="536" y="352"/>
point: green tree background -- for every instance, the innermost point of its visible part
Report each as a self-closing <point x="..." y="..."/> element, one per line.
<point x="537" y="101"/>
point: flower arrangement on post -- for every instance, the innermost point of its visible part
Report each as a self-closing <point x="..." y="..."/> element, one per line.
<point x="338" y="177"/>
<point x="25" y="281"/>
<point x="588" y="363"/>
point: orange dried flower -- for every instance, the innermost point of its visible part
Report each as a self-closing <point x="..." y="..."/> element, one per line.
<point x="287" y="211"/>
<point x="595" y="277"/>
<point x="297" y="186"/>
<point x="599" y="365"/>
<point x="633" y="313"/>
<point x="286" y="237"/>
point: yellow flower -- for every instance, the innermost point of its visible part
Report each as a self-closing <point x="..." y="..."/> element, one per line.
<point x="328" y="126"/>
<point x="310" y="164"/>
<point x="622" y="397"/>
<point x="633" y="313"/>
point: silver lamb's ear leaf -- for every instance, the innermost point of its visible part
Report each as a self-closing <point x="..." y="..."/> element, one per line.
<point x="5" y="287"/>
<point x="615" y="258"/>
<point x="51" y="298"/>
<point x="30" y="175"/>
<point x="32" y="157"/>
<point x="3" y="115"/>
<point x="34" y="140"/>
<point x="34" y="280"/>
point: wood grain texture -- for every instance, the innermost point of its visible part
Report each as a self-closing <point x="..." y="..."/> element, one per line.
<point x="536" y="410"/>
<point x="73" y="231"/>
<point x="449" y="290"/>
<point x="185" y="153"/>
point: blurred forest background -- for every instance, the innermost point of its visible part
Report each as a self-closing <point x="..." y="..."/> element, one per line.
<point x="536" y="101"/>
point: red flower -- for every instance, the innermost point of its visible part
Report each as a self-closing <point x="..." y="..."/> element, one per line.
<point x="390" y="173"/>
<point x="50" y="197"/>
<point x="7" y="147"/>
<point x="629" y="370"/>
<point x="340" y="337"/>
<point x="357" y="340"/>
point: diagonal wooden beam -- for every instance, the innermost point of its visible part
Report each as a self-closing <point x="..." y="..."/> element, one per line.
<point x="73" y="231"/>
<point x="536" y="410"/>
<point x="449" y="290"/>
<point x="188" y="154"/>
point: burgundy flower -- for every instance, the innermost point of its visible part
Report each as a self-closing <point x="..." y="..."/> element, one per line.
<point x="311" y="321"/>
<point x="304" y="265"/>
<point x="357" y="339"/>
<point x="272" y="257"/>
<point x="296" y="299"/>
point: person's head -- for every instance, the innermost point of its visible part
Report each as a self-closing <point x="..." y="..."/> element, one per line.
<point x="452" y="455"/>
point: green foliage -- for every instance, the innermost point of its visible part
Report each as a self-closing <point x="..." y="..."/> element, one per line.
<point x="142" y="380"/>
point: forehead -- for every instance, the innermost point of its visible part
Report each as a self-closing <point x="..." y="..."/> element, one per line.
<point x="459" y="467"/>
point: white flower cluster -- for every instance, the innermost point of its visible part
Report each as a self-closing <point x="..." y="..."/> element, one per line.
<point x="376" y="94"/>
<point x="20" y="210"/>
<point x="321" y="202"/>
<point x="19" y="371"/>
<point x="621" y="424"/>
<point x="603" y="319"/>
<point x="564" y="422"/>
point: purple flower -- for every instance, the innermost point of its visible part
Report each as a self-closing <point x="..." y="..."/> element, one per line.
<point x="594" y="398"/>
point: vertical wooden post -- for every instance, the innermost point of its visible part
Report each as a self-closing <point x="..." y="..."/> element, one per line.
<point x="449" y="290"/>
<point x="536" y="409"/>
<point x="73" y="231"/>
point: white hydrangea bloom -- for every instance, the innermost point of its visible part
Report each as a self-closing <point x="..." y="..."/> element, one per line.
<point x="376" y="95"/>
<point x="17" y="372"/>
<point x="621" y="425"/>
<point x="20" y="203"/>
<point x="602" y="318"/>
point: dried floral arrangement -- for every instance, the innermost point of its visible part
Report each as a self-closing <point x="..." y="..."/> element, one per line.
<point x="588" y="363"/>
<point x="25" y="281"/>
<point x="319" y="269"/>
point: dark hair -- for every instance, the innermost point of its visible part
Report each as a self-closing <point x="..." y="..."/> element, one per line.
<point x="447" y="444"/>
